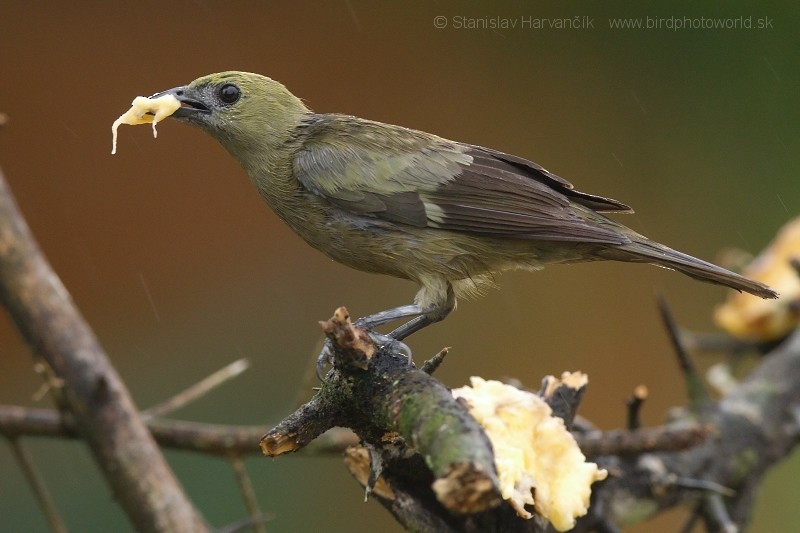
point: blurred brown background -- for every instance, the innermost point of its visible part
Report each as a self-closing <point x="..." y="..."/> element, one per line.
<point x="180" y="268"/>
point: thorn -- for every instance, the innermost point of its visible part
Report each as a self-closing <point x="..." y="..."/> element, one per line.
<point x="698" y="395"/>
<point x="375" y="469"/>
<point x="704" y="485"/>
<point x="717" y="516"/>
<point x="431" y="365"/>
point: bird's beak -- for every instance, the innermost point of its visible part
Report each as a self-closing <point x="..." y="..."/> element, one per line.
<point x="190" y="107"/>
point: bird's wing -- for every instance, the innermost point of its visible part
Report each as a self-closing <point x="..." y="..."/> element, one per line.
<point x="414" y="178"/>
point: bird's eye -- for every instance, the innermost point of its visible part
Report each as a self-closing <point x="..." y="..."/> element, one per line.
<point x="229" y="93"/>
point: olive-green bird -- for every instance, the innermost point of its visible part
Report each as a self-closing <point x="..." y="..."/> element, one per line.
<point x="397" y="201"/>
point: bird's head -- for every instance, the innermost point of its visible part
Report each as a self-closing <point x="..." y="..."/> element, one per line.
<point x="244" y="111"/>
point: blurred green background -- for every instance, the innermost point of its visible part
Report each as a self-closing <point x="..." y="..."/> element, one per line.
<point x="180" y="268"/>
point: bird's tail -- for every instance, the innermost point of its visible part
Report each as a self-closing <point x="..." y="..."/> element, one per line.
<point x="647" y="251"/>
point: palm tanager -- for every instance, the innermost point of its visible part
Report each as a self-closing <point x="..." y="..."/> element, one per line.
<point x="392" y="200"/>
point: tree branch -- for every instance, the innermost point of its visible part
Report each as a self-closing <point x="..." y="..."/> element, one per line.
<point x="748" y="431"/>
<point x="212" y="439"/>
<point x="92" y="392"/>
<point x="38" y="486"/>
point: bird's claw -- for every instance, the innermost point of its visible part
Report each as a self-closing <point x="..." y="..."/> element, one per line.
<point x="324" y="359"/>
<point x="393" y="345"/>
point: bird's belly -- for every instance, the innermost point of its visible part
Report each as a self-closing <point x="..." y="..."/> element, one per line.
<point x="403" y="251"/>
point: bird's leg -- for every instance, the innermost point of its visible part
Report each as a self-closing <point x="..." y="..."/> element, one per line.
<point x="423" y="316"/>
<point x="415" y="324"/>
<point x="390" y="315"/>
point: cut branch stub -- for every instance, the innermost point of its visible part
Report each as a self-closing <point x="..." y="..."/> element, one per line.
<point x="467" y="488"/>
<point x="300" y="428"/>
<point x="564" y="395"/>
<point x="357" y="348"/>
<point x="278" y="444"/>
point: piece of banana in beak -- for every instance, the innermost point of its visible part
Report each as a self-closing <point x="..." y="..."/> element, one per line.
<point x="145" y="111"/>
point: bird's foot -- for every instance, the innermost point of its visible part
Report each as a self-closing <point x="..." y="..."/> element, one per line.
<point x="385" y="342"/>
<point x="324" y="359"/>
